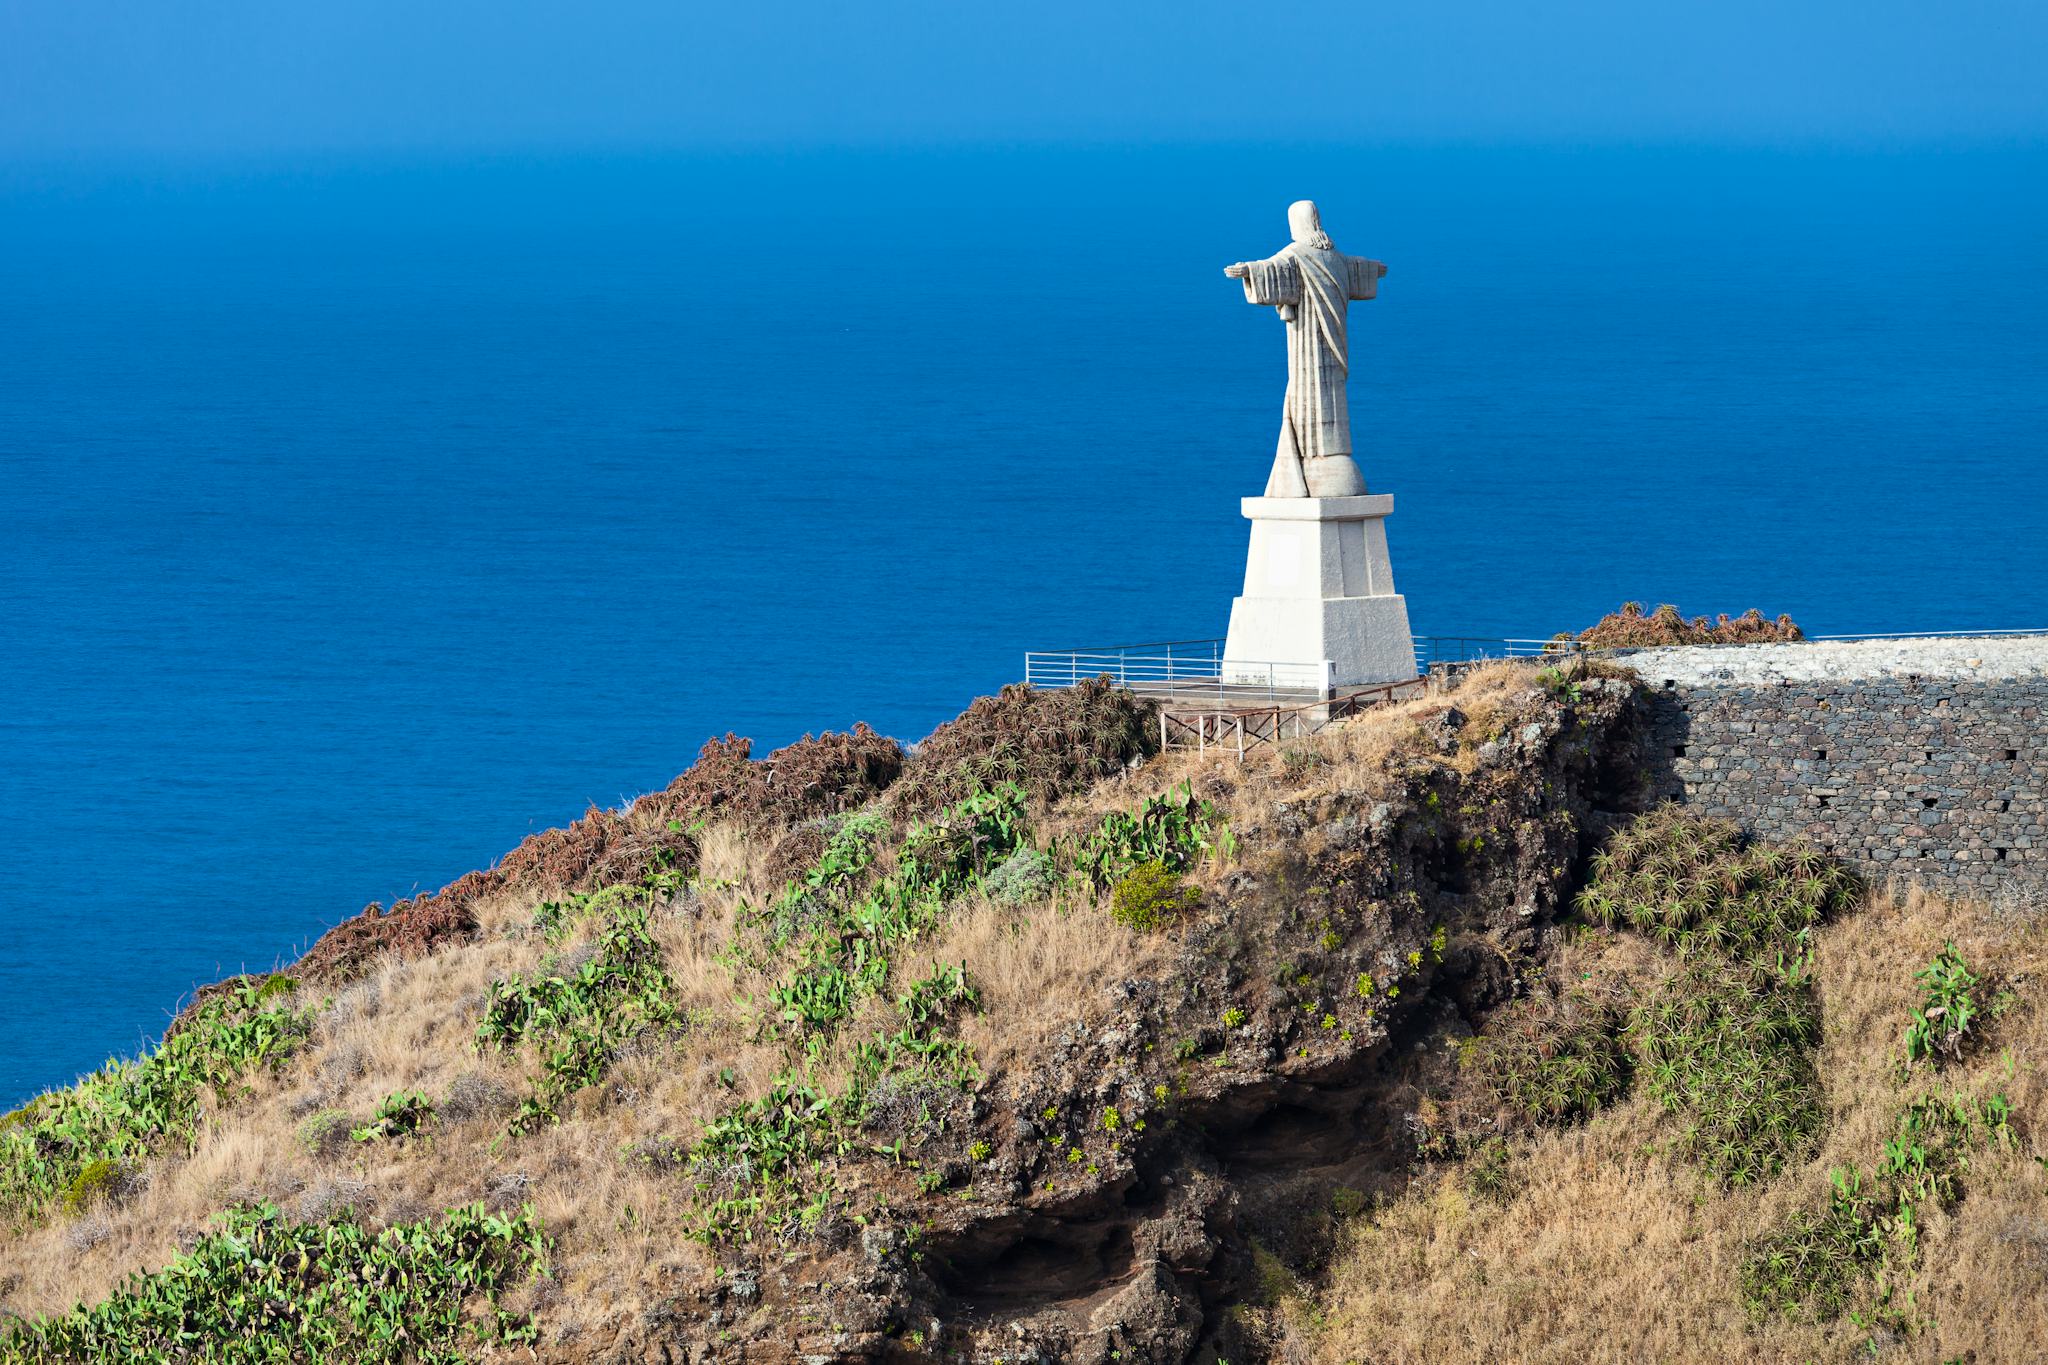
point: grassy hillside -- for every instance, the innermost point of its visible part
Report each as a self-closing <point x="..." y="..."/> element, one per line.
<point x="1911" y="1223"/>
<point x="1413" y="1038"/>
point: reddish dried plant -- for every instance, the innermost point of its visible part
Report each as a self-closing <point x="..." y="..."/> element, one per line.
<point x="1632" y="628"/>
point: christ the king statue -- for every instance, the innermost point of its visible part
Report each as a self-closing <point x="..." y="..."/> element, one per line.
<point x="1310" y="282"/>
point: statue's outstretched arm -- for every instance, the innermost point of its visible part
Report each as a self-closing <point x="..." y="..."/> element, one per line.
<point x="1238" y="271"/>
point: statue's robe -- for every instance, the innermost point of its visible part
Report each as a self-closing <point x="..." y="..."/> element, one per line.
<point x="1311" y="286"/>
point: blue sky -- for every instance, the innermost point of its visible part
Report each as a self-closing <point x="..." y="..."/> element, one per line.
<point x="268" y="76"/>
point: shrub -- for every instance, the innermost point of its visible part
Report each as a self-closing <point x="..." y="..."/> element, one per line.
<point x="1737" y="1061"/>
<point x="1630" y="628"/>
<point x="1051" y="742"/>
<point x="1489" y="1171"/>
<point x="1810" y="1265"/>
<point x="1695" y="883"/>
<point x="942" y="856"/>
<point x="474" y="1095"/>
<point x="818" y="775"/>
<point x="829" y="773"/>
<point x="129" y="1109"/>
<point x="1551" y="1060"/>
<point x="1024" y="878"/>
<point x="851" y="937"/>
<point x="1947" y="1011"/>
<point x="1150" y="896"/>
<point x="252" y="990"/>
<point x="580" y="1021"/>
<point x="99" y="1179"/>
<point x="767" y="1154"/>
<point x="327" y="1132"/>
<point x="1728" y="1040"/>
<point x="414" y="926"/>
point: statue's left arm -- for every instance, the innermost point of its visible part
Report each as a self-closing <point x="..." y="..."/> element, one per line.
<point x="1365" y="277"/>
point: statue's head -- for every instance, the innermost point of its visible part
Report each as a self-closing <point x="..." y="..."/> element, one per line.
<point x="1306" y="224"/>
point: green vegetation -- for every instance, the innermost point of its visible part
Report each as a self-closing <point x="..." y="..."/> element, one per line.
<point x="262" y="1289"/>
<point x="844" y="922"/>
<point x="1696" y="885"/>
<point x="576" y="1024"/>
<point x="1811" y="1266"/>
<point x="1947" y="1012"/>
<point x="805" y="906"/>
<point x="1150" y="896"/>
<point x="1176" y="830"/>
<point x="767" y="1156"/>
<point x="845" y="929"/>
<point x="1551" y="1061"/>
<point x="1024" y="878"/>
<point x="403" y="1115"/>
<point x="853" y="935"/>
<point x="65" y="1146"/>
<point x="101" y="1179"/>
<point x="1735" y="1056"/>
<point x="1728" y="1039"/>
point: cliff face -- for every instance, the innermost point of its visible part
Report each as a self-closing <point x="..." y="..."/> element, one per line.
<point x="1202" y="1128"/>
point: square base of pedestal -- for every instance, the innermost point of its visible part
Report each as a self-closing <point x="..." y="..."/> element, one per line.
<point x="1365" y="639"/>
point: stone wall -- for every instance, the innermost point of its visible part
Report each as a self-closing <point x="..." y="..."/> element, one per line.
<point x="1923" y="760"/>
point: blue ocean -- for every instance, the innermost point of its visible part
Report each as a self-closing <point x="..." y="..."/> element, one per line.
<point x="362" y="517"/>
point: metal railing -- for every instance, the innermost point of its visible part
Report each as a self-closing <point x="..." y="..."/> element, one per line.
<point x="1181" y="670"/>
<point x="1195" y="670"/>
<point x="1437" y="651"/>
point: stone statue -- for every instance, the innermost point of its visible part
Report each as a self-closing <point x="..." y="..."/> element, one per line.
<point x="1310" y="282"/>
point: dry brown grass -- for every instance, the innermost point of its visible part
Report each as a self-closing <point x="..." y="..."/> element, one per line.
<point x="1610" y="1251"/>
<point x="1360" y="756"/>
<point x="1038" y="971"/>
<point x="621" y="1225"/>
<point x="409" y="1026"/>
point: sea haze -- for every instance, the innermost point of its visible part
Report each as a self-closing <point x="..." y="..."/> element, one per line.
<point x="363" y="518"/>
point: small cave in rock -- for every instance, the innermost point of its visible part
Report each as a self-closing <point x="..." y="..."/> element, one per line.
<point x="1285" y="1136"/>
<point x="1042" y="1264"/>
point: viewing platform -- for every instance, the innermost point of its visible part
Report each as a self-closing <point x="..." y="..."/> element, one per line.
<point x="1207" y="701"/>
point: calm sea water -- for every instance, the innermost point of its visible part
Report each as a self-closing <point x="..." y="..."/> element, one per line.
<point x="360" y="519"/>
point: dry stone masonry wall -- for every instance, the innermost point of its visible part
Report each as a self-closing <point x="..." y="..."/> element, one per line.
<point x="1924" y="759"/>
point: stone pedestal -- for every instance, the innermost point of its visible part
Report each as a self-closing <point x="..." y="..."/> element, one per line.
<point x="1318" y="586"/>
